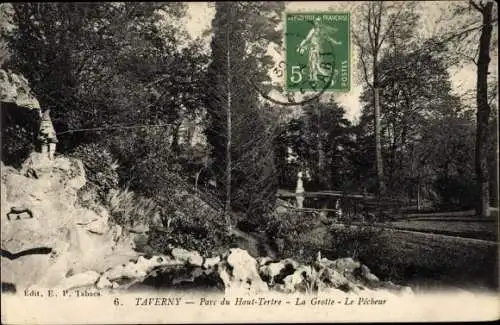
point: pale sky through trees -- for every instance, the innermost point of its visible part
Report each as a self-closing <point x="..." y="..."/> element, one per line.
<point x="463" y="79"/>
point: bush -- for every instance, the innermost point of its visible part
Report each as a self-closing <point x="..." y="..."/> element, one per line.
<point x="100" y="168"/>
<point x="456" y="192"/>
<point x="186" y="220"/>
<point x="129" y="209"/>
<point x="190" y="223"/>
<point x="301" y="235"/>
<point x="293" y="236"/>
<point x="19" y="130"/>
<point x="354" y="240"/>
<point x="150" y="174"/>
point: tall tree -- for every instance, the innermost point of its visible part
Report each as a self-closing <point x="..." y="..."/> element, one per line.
<point x="379" y="22"/>
<point x="320" y="139"/>
<point x="92" y="63"/>
<point x="483" y="107"/>
<point x="443" y="160"/>
<point x="472" y="40"/>
<point x="414" y="88"/>
<point x="238" y="129"/>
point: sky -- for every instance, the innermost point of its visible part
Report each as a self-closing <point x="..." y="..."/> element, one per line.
<point x="463" y="78"/>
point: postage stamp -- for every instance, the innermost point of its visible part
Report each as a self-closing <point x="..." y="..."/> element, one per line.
<point x="248" y="162"/>
<point x="318" y="51"/>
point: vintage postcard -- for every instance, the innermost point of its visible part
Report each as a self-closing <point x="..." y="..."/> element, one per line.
<point x="249" y="162"/>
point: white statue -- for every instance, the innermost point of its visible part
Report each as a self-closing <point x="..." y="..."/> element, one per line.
<point x="338" y="209"/>
<point x="299" y="190"/>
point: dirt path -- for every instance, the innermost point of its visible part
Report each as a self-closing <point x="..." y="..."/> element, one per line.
<point x="440" y="235"/>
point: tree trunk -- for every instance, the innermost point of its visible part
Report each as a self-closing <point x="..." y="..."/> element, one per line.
<point x="483" y="114"/>
<point x="321" y="153"/>
<point x="227" y="206"/>
<point x="175" y="147"/>
<point x="378" y="142"/>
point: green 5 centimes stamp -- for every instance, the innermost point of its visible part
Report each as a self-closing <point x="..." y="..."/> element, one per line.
<point x="318" y="51"/>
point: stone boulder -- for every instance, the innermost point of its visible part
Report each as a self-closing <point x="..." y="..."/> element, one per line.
<point x="274" y="272"/>
<point x="191" y="257"/>
<point x="238" y="271"/>
<point x="42" y="221"/>
<point x="136" y="271"/>
<point x="298" y="281"/>
<point x="15" y="89"/>
<point x="44" y="204"/>
<point x="81" y="280"/>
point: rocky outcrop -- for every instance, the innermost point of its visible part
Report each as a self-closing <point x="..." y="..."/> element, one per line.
<point x="49" y="240"/>
<point x="40" y="214"/>
<point x="15" y="89"/>
<point x="238" y="273"/>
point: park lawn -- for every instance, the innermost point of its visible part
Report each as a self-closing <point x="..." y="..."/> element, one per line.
<point x="422" y="260"/>
<point x="486" y="230"/>
<point x="428" y="261"/>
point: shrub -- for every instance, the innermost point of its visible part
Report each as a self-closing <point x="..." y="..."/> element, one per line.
<point x="19" y="129"/>
<point x="155" y="188"/>
<point x="129" y="209"/>
<point x="190" y="223"/>
<point x="100" y="167"/>
<point x="301" y="235"/>
<point x="354" y="240"/>
<point x="456" y="192"/>
<point x="293" y="235"/>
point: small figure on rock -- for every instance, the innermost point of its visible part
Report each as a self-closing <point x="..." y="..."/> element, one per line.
<point x="47" y="135"/>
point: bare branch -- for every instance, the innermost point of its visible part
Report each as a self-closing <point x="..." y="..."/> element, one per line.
<point x="377" y="26"/>
<point x="463" y="32"/>
<point x="365" y="69"/>
<point x="478" y="8"/>
<point x="369" y="24"/>
<point x="391" y="26"/>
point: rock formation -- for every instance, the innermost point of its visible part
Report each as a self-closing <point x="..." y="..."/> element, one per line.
<point x="66" y="238"/>
<point x="15" y="89"/>
<point x="49" y="240"/>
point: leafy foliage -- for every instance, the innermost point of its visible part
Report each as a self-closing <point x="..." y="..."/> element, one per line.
<point x="106" y="64"/>
<point x="19" y="130"/>
<point x="321" y="141"/>
<point x="100" y="167"/>
<point x="129" y="209"/>
<point x="426" y="133"/>
<point x="291" y="234"/>
<point x="190" y="223"/>
<point x="354" y="240"/>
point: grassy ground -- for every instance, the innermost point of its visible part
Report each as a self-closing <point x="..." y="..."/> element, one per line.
<point x="431" y="252"/>
<point x="424" y="261"/>
<point x="433" y="261"/>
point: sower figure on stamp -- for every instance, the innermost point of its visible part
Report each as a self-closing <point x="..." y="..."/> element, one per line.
<point x="47" y="135"/>
<point x="313" y="42"/>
